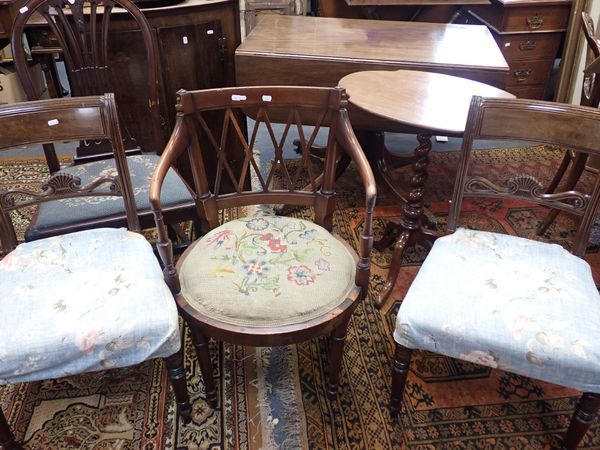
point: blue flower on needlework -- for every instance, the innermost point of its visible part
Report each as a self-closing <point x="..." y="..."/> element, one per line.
<point x="257" y="224"/>
<point x="256" y="268"/>
<point x="308" y="234"/>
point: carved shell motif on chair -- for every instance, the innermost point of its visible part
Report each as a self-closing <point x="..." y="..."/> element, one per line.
<point x="530" y="188"/>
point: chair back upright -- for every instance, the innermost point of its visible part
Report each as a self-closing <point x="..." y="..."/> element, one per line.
<point x="576" y="128"/>
<point x="82" y="30"/>
<point x="60" y="120"/>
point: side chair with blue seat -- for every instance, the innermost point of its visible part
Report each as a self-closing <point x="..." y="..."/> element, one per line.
<point x="83" y="30"/>
<point x="83" y="301"/>
<point x="507" y="302"/>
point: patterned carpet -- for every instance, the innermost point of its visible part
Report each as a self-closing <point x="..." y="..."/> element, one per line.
<point x="275" y="398"/>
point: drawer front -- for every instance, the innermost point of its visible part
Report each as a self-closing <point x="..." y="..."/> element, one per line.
<point x="524" y="19"/>
<point x="535" y="92"/>
<point x="528" y="46"/>
<point x="529" y="72"/>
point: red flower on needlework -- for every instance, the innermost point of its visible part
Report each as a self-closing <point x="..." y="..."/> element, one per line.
<point x="274" y="244"/>
<point x="301" y="275"/>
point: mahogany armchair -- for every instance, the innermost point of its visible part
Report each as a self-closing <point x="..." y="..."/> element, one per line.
<point x="85" y="37"/>
<point x="507" y="302"/>
<point x="265" y="280"/>
<point x="83" y="301"/>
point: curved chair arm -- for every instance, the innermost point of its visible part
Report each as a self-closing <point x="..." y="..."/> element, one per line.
<point x="174" y="148"/>
<point x="348" y="140"/>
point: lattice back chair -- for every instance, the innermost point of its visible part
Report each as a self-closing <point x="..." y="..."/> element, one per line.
<point x="295" y="279"/>
<point x="507" y="302"/>
<point x="104" y="282"/>
<point x="590" y="96"/>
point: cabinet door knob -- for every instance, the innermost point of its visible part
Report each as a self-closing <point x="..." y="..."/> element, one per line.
<point x="527" y="46"/>
<point x="535" y="22"/>
<point x="521" y="75"/>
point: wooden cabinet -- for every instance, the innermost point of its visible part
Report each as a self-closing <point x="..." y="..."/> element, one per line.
<point x="529" y="34"/>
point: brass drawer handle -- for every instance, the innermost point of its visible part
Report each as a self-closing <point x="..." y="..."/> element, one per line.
<point x="521" y="75"/>
<point x="527" y="46"/>
<point x="535" y="22"/>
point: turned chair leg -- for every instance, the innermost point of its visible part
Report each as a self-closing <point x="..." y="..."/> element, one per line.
<point x="336" y="351"/>
<point x="176" y="373"/>
<point x="202" y="352"/>
<point x="584" y="415"/>
<point x="7" y="439"/>
<point x="399" y="374"/>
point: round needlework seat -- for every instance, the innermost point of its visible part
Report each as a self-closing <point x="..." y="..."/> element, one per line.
<point x="266" y="272"/>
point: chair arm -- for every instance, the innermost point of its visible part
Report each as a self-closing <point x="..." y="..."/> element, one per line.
<point x="348" y="140"/>
<point x="174" y="148"/>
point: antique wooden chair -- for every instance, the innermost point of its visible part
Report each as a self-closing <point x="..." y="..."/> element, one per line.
<point x="84" y="301"/>
<point x="496" y="299"/>
<point x="590" y="96"/>
<point x="265" y="280"/>
<point x="97" y="62"/>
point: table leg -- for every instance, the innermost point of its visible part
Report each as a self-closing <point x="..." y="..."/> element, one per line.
<point x="410" y="229"/>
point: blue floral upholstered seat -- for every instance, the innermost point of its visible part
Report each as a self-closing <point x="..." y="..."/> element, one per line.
<point x="84" y="301"/>
<point x="514" y="304"/>
<point x="267" y="271"/>
<point x="62" y="213"/>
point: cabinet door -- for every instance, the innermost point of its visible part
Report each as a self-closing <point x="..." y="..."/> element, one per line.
<point x="192" y="57"/>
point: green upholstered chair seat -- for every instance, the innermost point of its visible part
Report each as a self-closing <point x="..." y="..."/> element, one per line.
<point x="267" y="272"/>
<point x="67" y="212"/>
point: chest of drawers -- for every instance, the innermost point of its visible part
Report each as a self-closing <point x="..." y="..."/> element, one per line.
<point x="529" y="34"/>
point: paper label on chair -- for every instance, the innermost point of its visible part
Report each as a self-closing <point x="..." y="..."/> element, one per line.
<point x="267" y="98"/>
<point x="185" y="40"/>
<point x="238" y="98"/>
<point x="52" y="122"/>
<point x="24" y="9"/>
<point x="210" y="31"/>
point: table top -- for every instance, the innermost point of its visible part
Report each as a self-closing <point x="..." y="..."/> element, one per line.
<point x="375" y="41"/>
<point x="422" y="101"/>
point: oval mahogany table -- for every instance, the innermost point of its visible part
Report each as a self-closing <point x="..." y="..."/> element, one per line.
<point x="408" y="101"/>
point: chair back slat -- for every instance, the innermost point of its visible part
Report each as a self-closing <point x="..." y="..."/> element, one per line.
<point x="571" y="127"/>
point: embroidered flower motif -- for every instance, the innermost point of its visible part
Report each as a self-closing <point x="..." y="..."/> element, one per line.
<point x="273" y="244"/>
<point x="257" y="224"/>
<point x="301" y="275"/>
<point x="219" y="239"/>
<point x="308" y="234"/>
<point x="256" y="268"/>
<point x="323" y="264"/>
<point x="480" y="357"/>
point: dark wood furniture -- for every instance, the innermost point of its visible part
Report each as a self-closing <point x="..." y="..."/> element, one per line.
<point x="590" y="96"/>
<point x="529" y="33"/>
<point x="412" y="102"/>
<point x="57" y="121"/>
<point x="196" y="42"/>
<point x="318" y="51"/>
<point x="437" y="11"/>
<point x="85" y="41"/>
<point x="566" y="126"/>
<point x="281" y="185"/>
